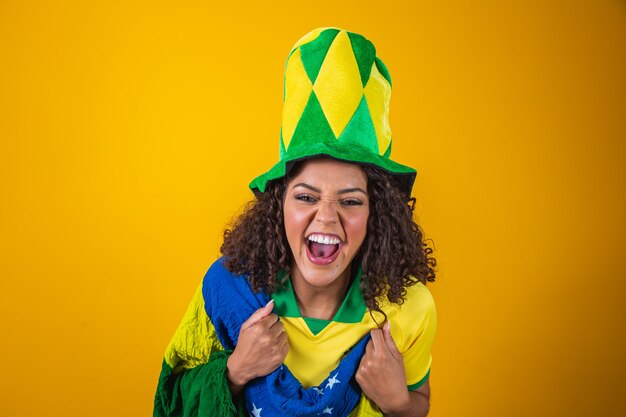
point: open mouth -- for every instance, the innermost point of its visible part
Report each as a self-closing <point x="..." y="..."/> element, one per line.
<point x="322" y="249"/>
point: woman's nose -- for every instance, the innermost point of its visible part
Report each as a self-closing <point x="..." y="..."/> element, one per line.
<point x="327" y="213"/>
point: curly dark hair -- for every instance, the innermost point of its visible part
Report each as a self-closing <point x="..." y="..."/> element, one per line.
<point x="393" y="256"/>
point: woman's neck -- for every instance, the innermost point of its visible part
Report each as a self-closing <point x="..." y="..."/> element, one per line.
<point x="319" y="302"/>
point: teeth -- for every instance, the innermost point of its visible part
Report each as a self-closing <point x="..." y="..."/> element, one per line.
<point x="325" y="240"/>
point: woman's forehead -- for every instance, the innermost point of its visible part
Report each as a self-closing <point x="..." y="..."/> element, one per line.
<point x="330" y="172"/>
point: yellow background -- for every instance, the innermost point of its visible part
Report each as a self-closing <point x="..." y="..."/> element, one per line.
<point x="130" y="130"/>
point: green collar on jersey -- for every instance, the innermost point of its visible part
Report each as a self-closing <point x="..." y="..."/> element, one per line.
<point x="351" y="310"/>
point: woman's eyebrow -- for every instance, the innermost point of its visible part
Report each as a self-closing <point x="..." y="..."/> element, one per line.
<point x="310" y="187"/>
<point x="343" y="191"/>
<point x="352" y="190"/>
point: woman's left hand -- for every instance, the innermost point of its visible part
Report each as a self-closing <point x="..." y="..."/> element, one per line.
<point x="381" y="373"/>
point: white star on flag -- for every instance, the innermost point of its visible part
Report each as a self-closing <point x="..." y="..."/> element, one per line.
<point x="327" y="410"/>
<point x="332" y="381"/>
<point x="319" y="391"/>
<point x="255" y="412"/>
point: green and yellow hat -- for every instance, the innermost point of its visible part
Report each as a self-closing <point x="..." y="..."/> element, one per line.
<point x="336" y="103"/>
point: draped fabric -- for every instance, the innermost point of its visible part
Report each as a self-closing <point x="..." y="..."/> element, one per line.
<point x="317" y="377"/>
<point x="229" y="302"/>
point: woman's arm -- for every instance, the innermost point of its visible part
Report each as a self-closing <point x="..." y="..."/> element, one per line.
<point x="418" y="403"/>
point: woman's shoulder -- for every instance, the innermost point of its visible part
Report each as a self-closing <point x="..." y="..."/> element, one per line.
<point x="416" y="313"/>
<point x="216" y="268"/>
<point x="218" y="274"/>
<point x="418" y="300"/>
<point x="221" y="287"/>
<point x="414" y="319"/>
<point x="420" y="295"/>
<point x="218" y="282"/>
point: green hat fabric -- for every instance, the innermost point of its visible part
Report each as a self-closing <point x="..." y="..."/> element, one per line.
<point x="336" y="103"/>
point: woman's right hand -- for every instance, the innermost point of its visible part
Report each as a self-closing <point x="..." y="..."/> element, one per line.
<point x="261" y="348"/>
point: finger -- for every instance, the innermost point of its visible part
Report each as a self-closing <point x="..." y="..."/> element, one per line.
<point x="378" y="340"/>
<point x="268" y="321"/>
<point x="391" y="344"/>
<point x="258" y="315"/>
<point x="277" y="328"/>
<point x="282" y="339"/>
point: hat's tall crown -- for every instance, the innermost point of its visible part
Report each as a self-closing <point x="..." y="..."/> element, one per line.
<point x="336" y="103"/>
<point x="336" y="90"/>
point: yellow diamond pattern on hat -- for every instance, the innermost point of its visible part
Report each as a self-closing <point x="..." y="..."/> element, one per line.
<point x="338" y="85"/>
<point x="298" y="88"/>
<point x="378" y="96"/>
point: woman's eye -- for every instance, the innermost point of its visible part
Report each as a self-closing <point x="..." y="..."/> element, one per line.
<point x="351" y="202"/>
<point x="305" y="197"/>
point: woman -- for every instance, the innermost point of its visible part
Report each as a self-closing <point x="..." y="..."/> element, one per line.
<point x="318" y="306"/>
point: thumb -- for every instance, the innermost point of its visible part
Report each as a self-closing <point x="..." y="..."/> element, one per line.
<point x="258" y="315"/>
<point x="391" y="344"/>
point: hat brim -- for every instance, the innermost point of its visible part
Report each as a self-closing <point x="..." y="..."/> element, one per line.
<point x="355" y="154"/>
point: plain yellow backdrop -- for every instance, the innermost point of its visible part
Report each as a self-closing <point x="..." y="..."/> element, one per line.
<point x="129" y="132"/>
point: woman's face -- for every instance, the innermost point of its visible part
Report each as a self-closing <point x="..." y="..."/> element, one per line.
<point x="326" y="209"/>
